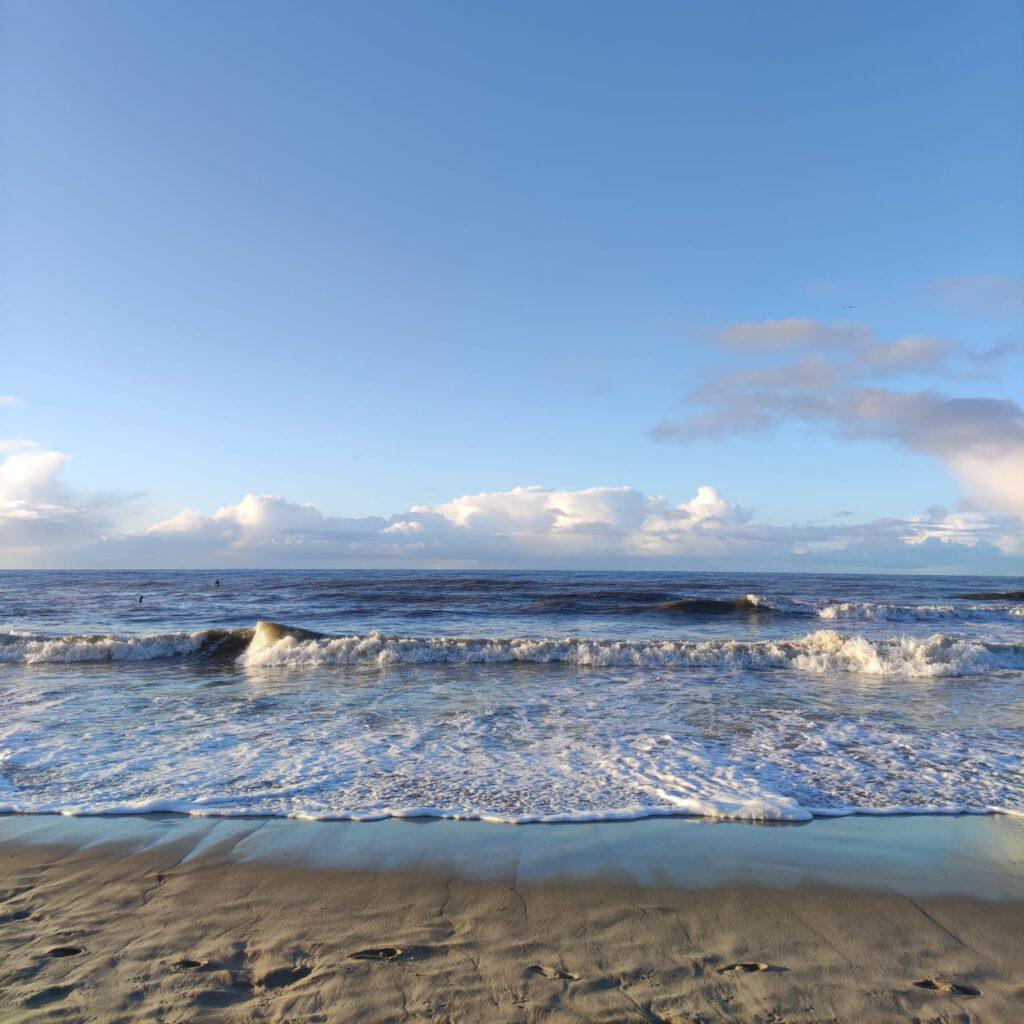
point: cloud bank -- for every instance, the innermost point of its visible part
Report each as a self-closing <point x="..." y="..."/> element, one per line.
<point x="42" y="524"/>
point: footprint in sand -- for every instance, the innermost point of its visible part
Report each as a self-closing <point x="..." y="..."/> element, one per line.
<point x="187" y="965"/>
<point x="64" y="951"/>
<point x="53" y="994"/>
<point x="381" y="953"/>
<point x="556" y="973"/>
<point x="219" y="998"/>
<point x="948" y="987"/>
<point x="281" y="977"/>
<point x="9" y="895"/>
<point x="750" y="967"/>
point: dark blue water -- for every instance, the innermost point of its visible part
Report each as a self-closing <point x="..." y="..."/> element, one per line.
<point x="624" y="605"/>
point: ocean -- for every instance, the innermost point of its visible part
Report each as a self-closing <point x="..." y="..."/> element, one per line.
<point x="510" y="696"/>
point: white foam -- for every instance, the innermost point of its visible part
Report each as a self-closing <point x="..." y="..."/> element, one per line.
<point x="822" y="652"/>
<point x="522" y="766"/>
<point x="874" y="612"/>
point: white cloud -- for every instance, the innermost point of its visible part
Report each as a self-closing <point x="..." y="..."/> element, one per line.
<point x="964" y="528"/>
<point x="538" y="526"/>
<point x="42" y="524"/>
<point x="536" y="509"/>
<point x="28" y="472"/>
<point x="37" y="516"/>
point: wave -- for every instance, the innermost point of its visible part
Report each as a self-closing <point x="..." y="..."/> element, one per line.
<point x="750" y="604"/>
<point x="1006" y="595"/>
<point x="874" y="611"/>
<point x="272" y="645"/>
<point x="869" y="611"/>
<point x="623" y="603"/>
<point x="823" y="652"/>
<point x="26" y="649"/>
<point x="229" y="805"/>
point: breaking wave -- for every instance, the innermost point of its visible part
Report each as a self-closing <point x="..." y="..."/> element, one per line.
<point x="823" y="652"/>
<point x="875" y="611"/>
<point x="271" y="645"/>
<point x="26" y="649"/>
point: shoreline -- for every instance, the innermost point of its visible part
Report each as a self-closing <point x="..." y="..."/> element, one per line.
<point x="977" y="855"/>
<point x="177" y="918"/>
<point x="423" y="814"/>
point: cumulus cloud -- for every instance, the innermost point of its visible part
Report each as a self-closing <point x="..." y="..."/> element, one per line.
<point x="966" y="529"/>
<point x="501" y="526"/>
<point x="538" y="526"/>
<point x="37" y="515"/>
<point x="979" y="439"/>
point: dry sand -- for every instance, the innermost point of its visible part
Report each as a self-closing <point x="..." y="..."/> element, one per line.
<point x="114" y="931"/>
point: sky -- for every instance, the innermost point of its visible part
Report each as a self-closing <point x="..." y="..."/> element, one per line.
<point x="660" y="285"/>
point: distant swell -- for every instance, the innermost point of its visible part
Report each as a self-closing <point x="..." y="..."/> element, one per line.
<point x="617" y="603"/>
<point x="718" y="606"/>
<point x="631" y="604"/>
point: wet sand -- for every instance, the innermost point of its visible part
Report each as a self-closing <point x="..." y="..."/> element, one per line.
<point x="180" y="919"/>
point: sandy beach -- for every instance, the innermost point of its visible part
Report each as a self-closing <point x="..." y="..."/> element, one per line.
<point x="182" y="919"/>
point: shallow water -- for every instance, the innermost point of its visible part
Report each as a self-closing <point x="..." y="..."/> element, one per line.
<point x="970" y="855"/>
<point x="510" y="696"/>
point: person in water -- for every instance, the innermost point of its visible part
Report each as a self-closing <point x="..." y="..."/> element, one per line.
<point x="216" y="583"/>
<point x="140" y="599"/>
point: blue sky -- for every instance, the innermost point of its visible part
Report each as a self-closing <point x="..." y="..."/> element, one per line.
<point x="374" y="257"/>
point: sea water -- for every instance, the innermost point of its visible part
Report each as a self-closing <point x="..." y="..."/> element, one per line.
<point x="510" y="696"/>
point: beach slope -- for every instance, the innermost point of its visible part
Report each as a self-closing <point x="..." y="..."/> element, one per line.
<point x="192" y="927"/>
